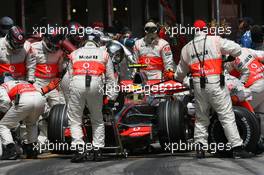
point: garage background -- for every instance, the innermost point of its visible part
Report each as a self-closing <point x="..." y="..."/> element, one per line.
<point x="131" y="13"/>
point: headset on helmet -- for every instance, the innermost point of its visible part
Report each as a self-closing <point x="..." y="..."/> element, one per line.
<point x="15" y="37"/>
<point x="52" y="40"/>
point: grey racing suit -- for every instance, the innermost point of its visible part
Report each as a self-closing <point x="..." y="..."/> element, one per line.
<point x="14" y="61"/>
<point x="213" y="95"/>
<point x="30" y="107"/>
<point x="94" y="62"/>
<point x="157" y="56"/>
<point x="250" y="69"/>
<point x="44" y="67"/>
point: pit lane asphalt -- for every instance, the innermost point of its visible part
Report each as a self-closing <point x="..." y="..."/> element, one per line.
<point x="165" y="164"/>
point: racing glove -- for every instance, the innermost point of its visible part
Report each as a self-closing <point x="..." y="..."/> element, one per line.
<point x="168" y="74"/>
<point x="52" y="85"/>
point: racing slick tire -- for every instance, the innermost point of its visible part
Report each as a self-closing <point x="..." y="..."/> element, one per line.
<point x="57" y="123"/>
<point x="247" y="125"/>
<point x="172" y="122"/>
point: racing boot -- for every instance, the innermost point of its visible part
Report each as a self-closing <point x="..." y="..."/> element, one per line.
<point x="97" y="154"/>
<point x="9" y="152"/>
<point x="31" y="151"/>
<point x="200" y="153"/>
<point x="80" y="154"/>
<point x="239" y="152"/>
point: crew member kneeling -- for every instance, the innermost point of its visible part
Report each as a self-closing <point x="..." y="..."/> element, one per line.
<point x="19" y="101"/>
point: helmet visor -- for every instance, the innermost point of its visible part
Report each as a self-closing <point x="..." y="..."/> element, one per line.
<point x="151" y="29"/>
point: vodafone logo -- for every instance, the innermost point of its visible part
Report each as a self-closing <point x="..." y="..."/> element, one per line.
<point x="12" y="68"/>
<point x="20" y="37"/>
<point x="147" y="60"/>
<point x="86" y="65"/>
<point x="254" y="66"/>
<point x="136" y="129"/>
<point x="48" y="68"/>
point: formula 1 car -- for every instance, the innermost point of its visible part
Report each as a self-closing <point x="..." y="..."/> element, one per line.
<point x="157" y="111"/>
<point x="136" y="114"/>
<point x="152" y="111"/>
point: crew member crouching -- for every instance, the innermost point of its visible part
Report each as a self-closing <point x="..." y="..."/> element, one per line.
<point x="19" y="101"/>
